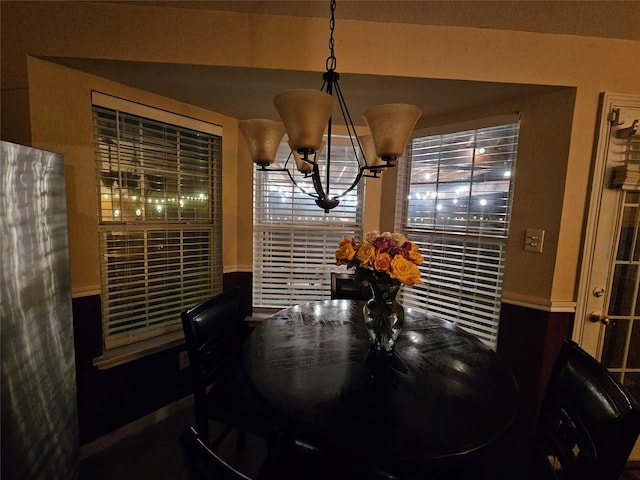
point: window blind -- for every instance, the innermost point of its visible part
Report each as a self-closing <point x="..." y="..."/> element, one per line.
<point x="159" y="211"/>
<point x="454" y="201"/>
<point x="294" y="240"/>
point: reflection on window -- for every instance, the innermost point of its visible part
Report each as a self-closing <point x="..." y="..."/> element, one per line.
<point x="159" y="212"/>
<point x="294" y="240"/>
<point x="457" y="204"/>
<point x="620" y="353"/>
<point x="151" y="171"/>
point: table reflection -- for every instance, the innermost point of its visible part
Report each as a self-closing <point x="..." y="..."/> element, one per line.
<point x="442" y="393"/>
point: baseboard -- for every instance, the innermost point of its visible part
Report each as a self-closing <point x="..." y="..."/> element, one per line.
<point x="106" y="441"/>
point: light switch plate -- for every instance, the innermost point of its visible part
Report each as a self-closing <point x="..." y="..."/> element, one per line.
<point x="533" y="240"/>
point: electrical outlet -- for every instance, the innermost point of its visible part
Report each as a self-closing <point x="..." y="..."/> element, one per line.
<point x="183" y="359"/>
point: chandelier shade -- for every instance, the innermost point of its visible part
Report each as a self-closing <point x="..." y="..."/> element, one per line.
<point x="306" y="166"/>
<point x="263" y="138"/>
<point x="373" y="161"/>
<point x="390" y="126"/>
<point x="301" y="165"/>
<point x="305" y="114"/>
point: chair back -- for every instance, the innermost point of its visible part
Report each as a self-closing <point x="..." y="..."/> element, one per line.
<point x="203" y="464"/>
<point x="214" y="331"/>
<point x="344" y="285"/>
<point x="589" y="422"/>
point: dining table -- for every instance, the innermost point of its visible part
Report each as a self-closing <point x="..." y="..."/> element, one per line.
<point x="440" y="395"/>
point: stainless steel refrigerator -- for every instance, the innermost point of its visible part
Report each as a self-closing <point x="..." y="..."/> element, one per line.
<point x="39" y="406"/>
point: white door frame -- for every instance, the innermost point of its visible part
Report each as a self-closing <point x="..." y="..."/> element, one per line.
<point x="587" y="334"/>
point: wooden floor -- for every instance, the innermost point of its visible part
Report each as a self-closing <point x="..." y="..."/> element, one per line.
<point x="154" y="453"/>
<point x="632" y="472"/>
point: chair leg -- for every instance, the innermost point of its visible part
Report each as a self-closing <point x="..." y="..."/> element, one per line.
<point x="202" y="425"/>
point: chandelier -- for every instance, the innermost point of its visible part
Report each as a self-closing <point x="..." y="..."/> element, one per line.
<point x="306" y="114"/>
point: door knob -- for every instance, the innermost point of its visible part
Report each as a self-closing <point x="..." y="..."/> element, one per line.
<point x="598" y="317"/>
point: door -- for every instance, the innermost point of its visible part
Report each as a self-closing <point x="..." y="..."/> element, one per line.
<point x="608" y="310"/>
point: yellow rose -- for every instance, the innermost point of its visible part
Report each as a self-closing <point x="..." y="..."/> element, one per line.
<point x="345" y="254"/>
<point x="405" y="271"/>
<point x="415" y="257"/>
<point x="365" y="254"/>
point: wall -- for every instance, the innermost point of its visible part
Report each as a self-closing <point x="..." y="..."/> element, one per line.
<point x="532" y="327"/>
<point x="47" y="106"/>
<point x="129" y="32"/>
<point x="61" y="121"/>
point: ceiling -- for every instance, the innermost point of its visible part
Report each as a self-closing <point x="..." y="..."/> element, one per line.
<point x="591" y="18"/>
<point x="220" y="88"/>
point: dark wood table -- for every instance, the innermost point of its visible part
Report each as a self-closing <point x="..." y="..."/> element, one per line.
<point x="442" y="393"/>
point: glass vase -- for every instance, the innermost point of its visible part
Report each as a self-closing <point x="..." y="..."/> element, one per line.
<point x="383" y="316"/>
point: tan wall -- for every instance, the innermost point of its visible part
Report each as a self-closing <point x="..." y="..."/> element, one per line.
<point x="543" y="146"/>
<point x="557" y="133"/>
<point x="61" y="121"/>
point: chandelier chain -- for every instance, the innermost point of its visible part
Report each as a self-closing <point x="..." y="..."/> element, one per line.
<point x="331" y="59"/>
<point x="307" y="149"/>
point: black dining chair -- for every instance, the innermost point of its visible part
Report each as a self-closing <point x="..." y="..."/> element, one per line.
<point x="588" y="423"/>
<point x="344" y="285"/>
<point x="214" y="332"/>
<point x="587" y="427"/>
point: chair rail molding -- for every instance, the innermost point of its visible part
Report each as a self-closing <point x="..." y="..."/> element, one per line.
<point x="535" y="303"/>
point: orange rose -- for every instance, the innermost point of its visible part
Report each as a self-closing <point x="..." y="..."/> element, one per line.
<point x="405" y="271"/>
<point x="382" y="262"/>
<point x="346" y="240"/>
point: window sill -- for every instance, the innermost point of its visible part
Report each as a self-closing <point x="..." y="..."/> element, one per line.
<point x="259" y="314"/>
<point x="128" y="353"/>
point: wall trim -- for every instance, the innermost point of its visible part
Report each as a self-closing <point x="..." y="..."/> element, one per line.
<point x="85" y="290"/>
<point x="102" y="443"/>
<point x="237" y="269"/>
<point x="120" y="104"/>
<point x="133" y="351"/>
<point x="540" y="303"/>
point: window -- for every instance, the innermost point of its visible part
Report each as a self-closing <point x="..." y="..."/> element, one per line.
<point x="454" y="201"/>
<point x="294" y="240"/>
<point x="159" y="212"/>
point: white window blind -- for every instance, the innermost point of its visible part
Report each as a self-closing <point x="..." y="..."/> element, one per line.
<point x="294" y="240"/>
<point x="159" y="211"/>
<point x="454" y="201"/>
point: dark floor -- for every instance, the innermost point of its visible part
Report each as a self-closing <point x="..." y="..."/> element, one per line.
<point x="155" y="454"/>
<point x="632" y="472"/>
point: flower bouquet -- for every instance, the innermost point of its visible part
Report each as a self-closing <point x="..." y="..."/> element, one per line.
<point x="384" y="262"/>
